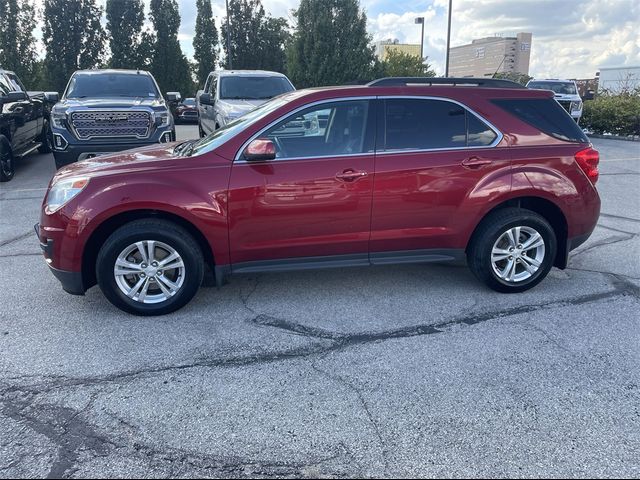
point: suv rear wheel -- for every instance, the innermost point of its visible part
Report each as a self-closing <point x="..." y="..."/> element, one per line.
<point x="150" y="267"/>
<point x="6" y="160"/>
<point x="512" y="250"/>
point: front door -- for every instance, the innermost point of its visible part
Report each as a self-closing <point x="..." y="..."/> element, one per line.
<point x="314" y="198"/>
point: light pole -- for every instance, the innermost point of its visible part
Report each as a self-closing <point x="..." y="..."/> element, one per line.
<point x="420" y="20"/>
<point x="228" y="38"/>
<point x="446" y="67"/>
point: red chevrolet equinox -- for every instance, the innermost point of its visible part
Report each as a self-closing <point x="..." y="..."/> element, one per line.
<point x="400" y="170"/>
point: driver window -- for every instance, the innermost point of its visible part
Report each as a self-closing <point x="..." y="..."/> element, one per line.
<point x="330" y="129"/>
<point x="214" y="85"/>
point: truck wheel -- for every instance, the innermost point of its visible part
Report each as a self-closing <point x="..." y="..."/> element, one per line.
<point x="150" y="267"/>
<point x="6" y="160"/>
<point x="45" y="138"/>
<point x="512" y="250"/>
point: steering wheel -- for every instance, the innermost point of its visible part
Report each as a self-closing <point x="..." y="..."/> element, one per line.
<point x="281" y="152"/>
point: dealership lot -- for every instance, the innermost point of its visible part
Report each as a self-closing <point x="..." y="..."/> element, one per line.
<point x="412" y="370"/>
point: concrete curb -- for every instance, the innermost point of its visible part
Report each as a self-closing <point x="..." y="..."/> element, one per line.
<point x="615" y="137"/>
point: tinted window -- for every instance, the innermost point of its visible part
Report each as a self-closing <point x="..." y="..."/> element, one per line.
<point x="111" y="85"/>
<point x="324" y="130"/>
<point x="565" y="88"/>
<point x="479" y="134"/>
<point x="252" y="87"/>
<point x="15" y="83"/>
<point x="4" y="85"/>
<point x="546" y="115"/>
<point x="189" y="101"/>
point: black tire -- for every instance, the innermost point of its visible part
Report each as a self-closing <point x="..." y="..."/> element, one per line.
<point x="200" y="131"/>
<point x="160" y="231"/>
<point x="493" y="227"/>
<point x="7" y="167"/>
<point x="45" y="138"/>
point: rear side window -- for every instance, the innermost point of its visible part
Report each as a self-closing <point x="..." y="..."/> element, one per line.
<point x="546" y="115"/>
<point x="415" y="124"/>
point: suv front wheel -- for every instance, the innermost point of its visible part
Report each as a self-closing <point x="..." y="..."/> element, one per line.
<point x="150" y="267"/>
<point x="512" y="250"/>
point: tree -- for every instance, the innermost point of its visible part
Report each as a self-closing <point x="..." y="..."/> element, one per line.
<point x="73" y="37"/>
<point x="521" y="78"/>
<point x="205" y="41"/>
<point x="130" y="45"/>
<point x="401" y="64"/>
<point x="330" y="44"/>
<point x="257" y="40"/>
<point x="169" y="65"/>
<point x="17" y="44"/>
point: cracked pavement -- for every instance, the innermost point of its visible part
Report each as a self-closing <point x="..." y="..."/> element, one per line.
<point x="394" y="371"/>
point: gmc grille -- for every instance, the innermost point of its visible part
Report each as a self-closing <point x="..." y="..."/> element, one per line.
<point x="115" y="124"/>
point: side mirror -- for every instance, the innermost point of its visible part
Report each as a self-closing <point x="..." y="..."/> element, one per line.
<point x="14" y="97"/>
<point x="173" y="96"/>
<point x="260" y="149"/>
<point x="206" y="99"/>
<point x="51" y="97"/>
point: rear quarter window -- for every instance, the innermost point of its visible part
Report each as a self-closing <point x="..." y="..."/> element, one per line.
<point x="546" y="115"/>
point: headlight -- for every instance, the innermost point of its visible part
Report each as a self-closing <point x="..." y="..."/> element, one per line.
<point x="63" y="191"/>
<point x="577" y="105"/>
<point x="162" y="119"/>
<point x="230" y="117"/>
<point x="58" y="119"/>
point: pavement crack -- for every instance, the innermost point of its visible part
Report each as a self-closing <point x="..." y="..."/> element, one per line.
<point x="16" y="238"/>
<point x="619" y="217"/>
<point x="605" y="242"/>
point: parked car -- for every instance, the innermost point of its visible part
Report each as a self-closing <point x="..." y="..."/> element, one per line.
<point x="404" y="171"/>
<point x="229" y="94"/>
<point x="565" y="92"/>
<point x="24" y="122"/>
<point x="106" y="111"/>
<point x="187" y="111"/>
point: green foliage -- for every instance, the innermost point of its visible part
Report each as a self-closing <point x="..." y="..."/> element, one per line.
<point x="257" y="40"/>
<point x="73" y="37"/>
<point x="17" y="44"/>
<point x="615" y="114"/>
<point x="401" y="64"/>
<point x="169" y="65"/>
<point x="130" y="45"/>
<point x="521" y="78"/>
<point x="205" y="41"/>
<point x="330" y="45"/>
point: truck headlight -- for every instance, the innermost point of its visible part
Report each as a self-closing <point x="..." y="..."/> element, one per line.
<point x="58" y="119"/>
<point x="577" y="105"/>
<point x="162" y="119"/>
<point x="63" y="191"/>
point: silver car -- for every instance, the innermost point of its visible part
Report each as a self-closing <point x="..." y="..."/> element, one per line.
<point x="229" y="94"/>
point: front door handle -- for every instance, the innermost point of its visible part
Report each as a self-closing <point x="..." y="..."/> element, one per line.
<point x="350" y="175"/>
<point x="475" y="162"/>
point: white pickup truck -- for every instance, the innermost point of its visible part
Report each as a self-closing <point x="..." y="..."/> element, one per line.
<point x="566" y="94"/>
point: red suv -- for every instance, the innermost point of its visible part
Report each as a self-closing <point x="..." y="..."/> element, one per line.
<point x="398" y="171"/>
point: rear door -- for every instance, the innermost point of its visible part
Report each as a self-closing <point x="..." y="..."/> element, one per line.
<point x="314" y="199"/>
<point x="432" y="155"/>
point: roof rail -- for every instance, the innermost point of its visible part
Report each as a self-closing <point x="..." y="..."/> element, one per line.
<point x="465" y="82"/>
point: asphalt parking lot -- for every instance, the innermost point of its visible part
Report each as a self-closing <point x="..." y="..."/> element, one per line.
<point x="403" y="371"/>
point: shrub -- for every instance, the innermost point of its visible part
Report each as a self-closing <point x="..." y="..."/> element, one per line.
<point x="615" y="114"/>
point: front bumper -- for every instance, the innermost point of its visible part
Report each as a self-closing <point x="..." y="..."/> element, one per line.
<point x="71" y="281"/>
<point x="74" y="150"/>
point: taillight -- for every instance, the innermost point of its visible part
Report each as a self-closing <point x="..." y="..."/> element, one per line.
<point x="588" y="160"/>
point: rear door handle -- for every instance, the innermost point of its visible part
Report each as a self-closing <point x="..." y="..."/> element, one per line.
<point x="475" y="162"/>
<point x="350" y="175"/>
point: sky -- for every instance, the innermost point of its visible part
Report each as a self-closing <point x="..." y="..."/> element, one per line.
<point x="571" y="38"/>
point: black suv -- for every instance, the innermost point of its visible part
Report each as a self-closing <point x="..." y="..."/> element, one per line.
<point x="104" y="111"/>
<point x="24" y="122"/>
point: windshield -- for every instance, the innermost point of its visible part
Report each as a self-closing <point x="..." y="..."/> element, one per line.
<point x="253" y="87"/>
<point x="221" y="135"/>
<point x="564" y="88"/>
<point x="189" y="101"/>
<point x="111" y="85"/>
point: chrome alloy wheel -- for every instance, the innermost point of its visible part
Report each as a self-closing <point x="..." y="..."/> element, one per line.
<point x="517" y="254"/>
<point x="149" y="271"/>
